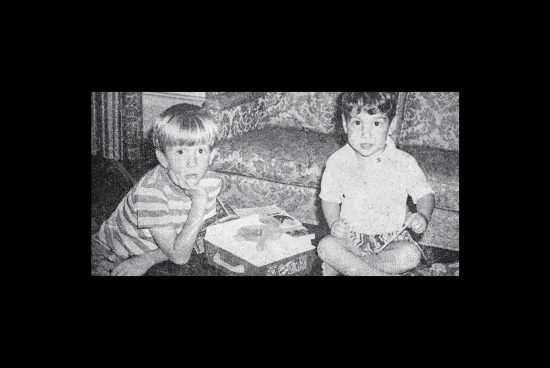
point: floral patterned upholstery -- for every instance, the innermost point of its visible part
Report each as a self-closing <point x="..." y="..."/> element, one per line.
<point x="240" y="118"/>
<point x="313" y="111"/>
<point x="443" y="230"/>
<point x="227" y="100"/>
<point x="442" y="171"/>
<point x="244" y="191"/>
<point x="285" y="156"/>
<point x="431" y="119"/>
<point x="430" y="132"/>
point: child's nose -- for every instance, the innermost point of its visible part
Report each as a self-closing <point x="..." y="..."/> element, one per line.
<point x="366" y="133"/>
<point x="192" y="160"/>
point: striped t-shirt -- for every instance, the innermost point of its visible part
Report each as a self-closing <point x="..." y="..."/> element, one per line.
<point x="155" y="201"/>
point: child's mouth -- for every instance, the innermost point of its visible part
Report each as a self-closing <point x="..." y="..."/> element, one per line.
<point x="367" y="146"/>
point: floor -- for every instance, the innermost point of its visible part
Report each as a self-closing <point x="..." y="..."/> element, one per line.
<point x="198" y="266"/>
<point x="109" y="185"/>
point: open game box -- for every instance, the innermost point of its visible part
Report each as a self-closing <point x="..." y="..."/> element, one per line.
<point x="229" y="248"/>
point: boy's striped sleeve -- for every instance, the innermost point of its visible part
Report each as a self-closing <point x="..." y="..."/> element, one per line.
<point x="152" y="208"/>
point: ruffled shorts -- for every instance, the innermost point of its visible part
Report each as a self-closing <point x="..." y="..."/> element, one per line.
<point x="375" y="243"/>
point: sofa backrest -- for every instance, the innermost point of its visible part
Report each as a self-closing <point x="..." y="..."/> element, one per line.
<point x="240" y="112"/>
<point x="314" y="111"/>
<point x="237" y="112"/>
<point x="431" y="119"/>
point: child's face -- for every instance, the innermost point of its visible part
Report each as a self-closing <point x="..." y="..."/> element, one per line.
<point x="188" y="162"/>
<point x="367" y="133"/>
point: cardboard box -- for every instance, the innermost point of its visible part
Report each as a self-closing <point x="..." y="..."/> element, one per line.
<point x="286" y="256"/>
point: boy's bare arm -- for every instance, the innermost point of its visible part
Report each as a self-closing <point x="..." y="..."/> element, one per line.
<point x="154" y="257"/>
<point x="331" y="211"/>
<point x="178" y="247"/>
<point x="138" y="265"/>
<point x="425" y="206"/>
<point x="172" y="246"/>
<point x="338" y="227"/>
<point x="418" y="221"/>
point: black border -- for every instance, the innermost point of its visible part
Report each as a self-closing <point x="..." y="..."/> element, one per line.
<point x="425" y="292"/>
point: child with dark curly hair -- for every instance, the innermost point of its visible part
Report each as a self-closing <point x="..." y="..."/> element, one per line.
<point x="364" y="192"/>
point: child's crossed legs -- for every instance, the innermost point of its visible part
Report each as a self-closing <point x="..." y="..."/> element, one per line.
<point x="346" y="258"/>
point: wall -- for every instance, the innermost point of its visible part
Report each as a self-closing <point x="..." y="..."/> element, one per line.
<point x="156" y="102"/>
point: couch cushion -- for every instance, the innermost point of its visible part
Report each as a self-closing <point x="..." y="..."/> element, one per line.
<point x="443" y="230"/>
<point x="244" y="191"/>
<point x="283" y="155"/>
<point x="298" y="157"/>
<point x="441" y="168"/>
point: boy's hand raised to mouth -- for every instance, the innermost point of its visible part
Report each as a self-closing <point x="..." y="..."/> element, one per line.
<point x="193" y="191"/>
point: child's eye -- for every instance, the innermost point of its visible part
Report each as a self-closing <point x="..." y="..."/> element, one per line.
<point x="201" y="151"/>
<point x="357" y="122"/>
<point x="376" y="123"/>
<point x="180" y="152"/>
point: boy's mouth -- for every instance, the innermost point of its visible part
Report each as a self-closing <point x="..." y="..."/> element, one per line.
<point x="366" y="146"/>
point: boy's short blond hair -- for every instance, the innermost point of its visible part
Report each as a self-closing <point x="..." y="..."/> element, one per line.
<point x="185" y="125"/>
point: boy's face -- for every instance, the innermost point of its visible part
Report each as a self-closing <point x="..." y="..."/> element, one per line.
<point x="367" y="133"/>
<point x="190" y="163"/>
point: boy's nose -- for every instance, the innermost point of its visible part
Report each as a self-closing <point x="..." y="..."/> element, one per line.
<point x="192" y="160"/>
<point x="366" y="133"/>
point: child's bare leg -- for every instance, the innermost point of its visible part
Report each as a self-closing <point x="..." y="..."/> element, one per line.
<point x="328" y="271"/>
<point x="398" y="257"/>
<point x="337" y="253"/>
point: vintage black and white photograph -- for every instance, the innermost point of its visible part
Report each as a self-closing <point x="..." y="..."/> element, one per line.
<point x="274" y="183"/>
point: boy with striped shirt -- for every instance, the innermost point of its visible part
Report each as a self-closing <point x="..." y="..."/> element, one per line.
<point x="160" y="217"/>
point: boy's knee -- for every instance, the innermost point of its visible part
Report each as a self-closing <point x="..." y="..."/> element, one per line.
<point x="325" y="246"/>
<point x="409" y="257"/>
<point x="327" y="270"/>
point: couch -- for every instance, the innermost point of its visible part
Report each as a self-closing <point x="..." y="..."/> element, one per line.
<point x="276" y="144"/>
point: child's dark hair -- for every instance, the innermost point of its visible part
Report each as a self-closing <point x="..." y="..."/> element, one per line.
<point x="372" y="102"/>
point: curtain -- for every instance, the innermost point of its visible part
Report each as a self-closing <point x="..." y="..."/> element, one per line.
<point x="117" y="125"/>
